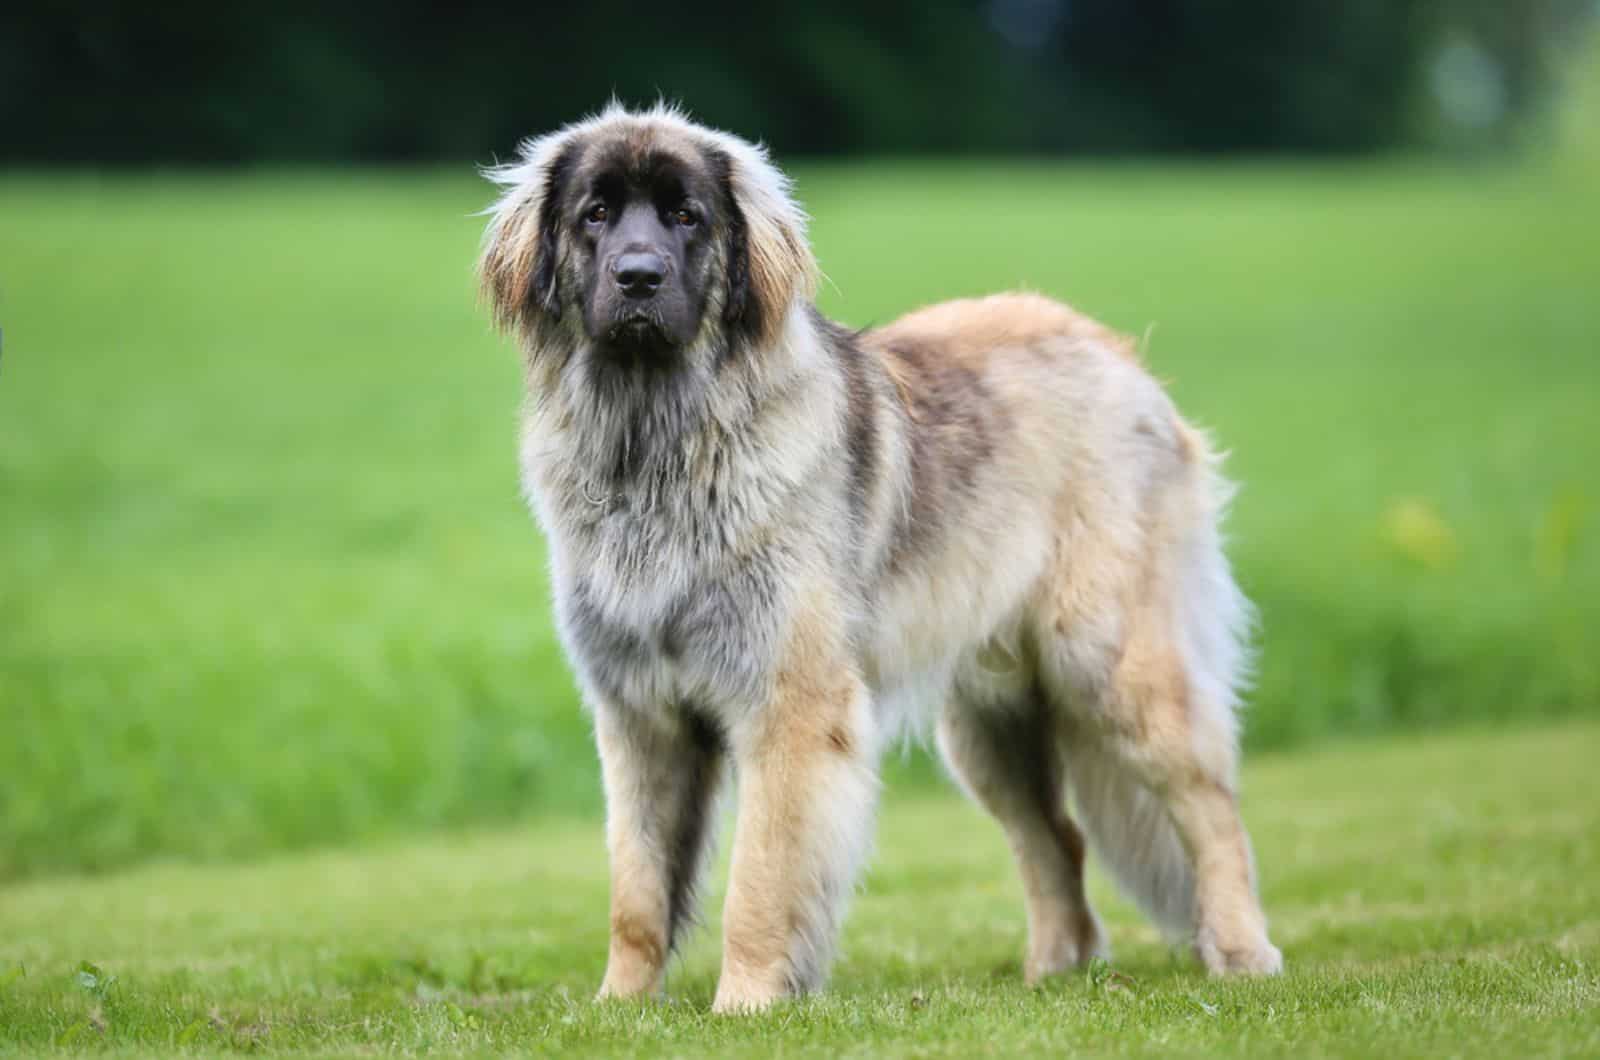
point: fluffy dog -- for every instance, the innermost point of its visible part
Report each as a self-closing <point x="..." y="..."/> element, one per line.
<point x="775" y="543"/>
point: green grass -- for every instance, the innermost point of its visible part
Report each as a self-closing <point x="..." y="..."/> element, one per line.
<point x="265" y="579"/>
<point x="1433" y="896"/>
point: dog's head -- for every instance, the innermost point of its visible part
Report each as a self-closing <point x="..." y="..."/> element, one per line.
<point x="644" y="238"/>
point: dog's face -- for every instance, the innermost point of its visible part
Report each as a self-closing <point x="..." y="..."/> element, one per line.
<point x="642" y="239"/>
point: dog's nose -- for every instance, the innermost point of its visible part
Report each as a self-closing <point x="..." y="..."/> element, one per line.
<point x="639" y="273"/>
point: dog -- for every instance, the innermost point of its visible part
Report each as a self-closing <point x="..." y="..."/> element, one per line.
<point x="775" y="544"/>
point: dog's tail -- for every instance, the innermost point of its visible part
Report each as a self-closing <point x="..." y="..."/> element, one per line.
<point x="1131" y="831"/>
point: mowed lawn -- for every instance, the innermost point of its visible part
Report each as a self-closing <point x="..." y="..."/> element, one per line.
<point x="266" y="580"/>
<point x="1433" y="895"/>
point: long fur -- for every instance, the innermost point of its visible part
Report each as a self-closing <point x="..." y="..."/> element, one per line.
<point x="786" y="541"/>
<point x="1128" y="823"/>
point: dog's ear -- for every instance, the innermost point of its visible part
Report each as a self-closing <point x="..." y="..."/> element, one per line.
<point x="519" y="270"/>
<point x="769" y="262"/>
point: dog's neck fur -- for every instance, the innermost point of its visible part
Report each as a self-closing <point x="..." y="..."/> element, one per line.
<point x="677" y="446"/>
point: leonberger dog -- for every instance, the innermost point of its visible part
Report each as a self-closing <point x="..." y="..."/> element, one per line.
<point x="777" y="543"/>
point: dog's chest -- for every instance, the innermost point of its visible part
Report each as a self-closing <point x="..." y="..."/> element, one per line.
<point x="657" y="606"/>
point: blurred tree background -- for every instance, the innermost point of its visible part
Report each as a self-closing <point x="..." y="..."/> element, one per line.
<point x="187" y="81"/>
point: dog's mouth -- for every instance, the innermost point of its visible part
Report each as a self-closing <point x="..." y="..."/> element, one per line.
<point x="638" y="333"/>
<point x="634" y="326"/>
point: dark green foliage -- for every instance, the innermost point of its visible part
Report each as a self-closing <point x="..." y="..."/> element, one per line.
<point x="190" y="81"/>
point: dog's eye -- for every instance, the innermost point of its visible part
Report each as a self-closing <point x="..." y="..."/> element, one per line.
<point x="597" y="214"/>
<point x="685" y="216"/>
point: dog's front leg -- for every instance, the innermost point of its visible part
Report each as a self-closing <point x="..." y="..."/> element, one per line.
<point x="661" y="775"/>
<point x="807" y="787"/>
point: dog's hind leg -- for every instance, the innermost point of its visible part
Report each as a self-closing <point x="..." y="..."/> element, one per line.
<point x="1162" y="808"/>
<point x="1144" y="648"/>
<point x="1008" y="757"/>
<point x="661" y="777"/>
<point x="1166" y="821"/>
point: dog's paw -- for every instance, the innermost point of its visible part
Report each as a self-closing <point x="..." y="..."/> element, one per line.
<point x="1068" y="950"/>
<point x="627" y="980"/>
<point x="610" y="993"/>
<point x="1252" y="957"/>
<point x="744" y="999"/>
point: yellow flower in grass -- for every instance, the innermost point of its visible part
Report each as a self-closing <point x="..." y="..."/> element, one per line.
<point x="1413" y="528"/>
<point x="1557" y="537"/>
